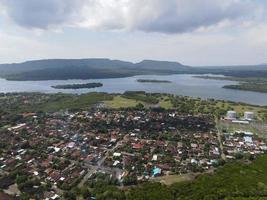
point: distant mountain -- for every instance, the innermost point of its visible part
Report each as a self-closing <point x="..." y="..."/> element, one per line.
<point x="86" y="68"/>
<point x="260" y="67"/>
<point x="237" y="70"/>
<point x="59" y="63"/>
<point x="62" y="69"/>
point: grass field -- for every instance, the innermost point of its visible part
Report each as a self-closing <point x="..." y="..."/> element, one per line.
<point x="120" y="102"/>
<point x="165" y="103"/>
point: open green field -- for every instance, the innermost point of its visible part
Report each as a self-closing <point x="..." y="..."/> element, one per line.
<point x="166" y="103"/>
<point x="120" y="102"/>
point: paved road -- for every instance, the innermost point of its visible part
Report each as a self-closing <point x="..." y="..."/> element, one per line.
<point x="219" y="134"/>
<point x="99" y="167"/>
<point x="90" y="172"/>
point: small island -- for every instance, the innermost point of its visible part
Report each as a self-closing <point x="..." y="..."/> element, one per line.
<point x="78" y="86"/>
<point x="152" y="81"/>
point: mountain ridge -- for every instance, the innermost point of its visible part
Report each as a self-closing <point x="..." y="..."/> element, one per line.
<point x="92" y="68"/>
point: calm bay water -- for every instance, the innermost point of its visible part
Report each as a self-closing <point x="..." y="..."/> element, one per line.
<point x="185" y="85"/>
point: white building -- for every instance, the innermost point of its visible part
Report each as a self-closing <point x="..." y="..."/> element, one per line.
<point x="240" y="122"/>
<point x="231" y="115"/>
<point x="117" y="154"/>
<point x="249" y="116"/>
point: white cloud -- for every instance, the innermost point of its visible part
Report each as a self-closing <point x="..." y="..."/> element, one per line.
<point x="211" y="32"/>
<point x="167" y="16"/>
<point x="42" y="14"/>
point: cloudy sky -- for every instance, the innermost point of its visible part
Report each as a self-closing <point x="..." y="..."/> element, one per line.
<point x="193" y="32"/>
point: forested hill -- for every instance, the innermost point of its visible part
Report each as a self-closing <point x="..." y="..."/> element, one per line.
<point x="61" y="69"/>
